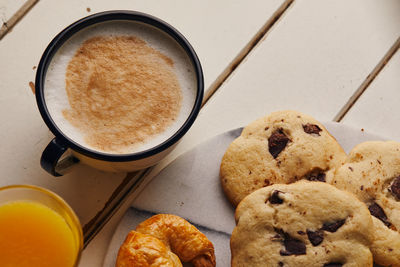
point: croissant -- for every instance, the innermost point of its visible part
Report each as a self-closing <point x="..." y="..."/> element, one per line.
<point x="176" y="234"/>
<point x="145" y="250"/>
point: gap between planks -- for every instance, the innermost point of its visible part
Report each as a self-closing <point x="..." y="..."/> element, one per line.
<point x="246" y="50"/>
<point x="10" y="23"/>
<point x="368" y="80"/>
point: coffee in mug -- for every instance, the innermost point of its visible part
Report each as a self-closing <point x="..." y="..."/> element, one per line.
<point x="120" y="87"/>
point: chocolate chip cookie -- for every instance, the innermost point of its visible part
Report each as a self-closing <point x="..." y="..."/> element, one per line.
<point x="283" y="147"/>
<point x="301" y="224"/>
<point x="372" y="172"/>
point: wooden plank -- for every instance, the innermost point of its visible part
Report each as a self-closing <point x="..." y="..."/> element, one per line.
<point x="377" y="110"/>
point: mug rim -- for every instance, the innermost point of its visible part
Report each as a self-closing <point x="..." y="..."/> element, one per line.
<point x="100" y="17"/>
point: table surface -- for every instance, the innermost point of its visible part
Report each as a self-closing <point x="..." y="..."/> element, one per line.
<point x="336" y="60"/>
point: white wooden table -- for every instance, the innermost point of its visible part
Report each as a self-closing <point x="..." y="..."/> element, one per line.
<point x="333" y="59"/>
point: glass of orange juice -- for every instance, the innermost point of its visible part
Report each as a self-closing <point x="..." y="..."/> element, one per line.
<point x="37" y="228"/>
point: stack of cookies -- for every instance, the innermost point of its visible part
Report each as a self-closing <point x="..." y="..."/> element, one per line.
<point x="301" y="201"/>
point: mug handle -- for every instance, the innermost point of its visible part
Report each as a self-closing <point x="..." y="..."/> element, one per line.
<point x="50" y="160"/>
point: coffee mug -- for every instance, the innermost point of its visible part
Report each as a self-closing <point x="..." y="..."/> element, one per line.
<point x="51" y="83"/>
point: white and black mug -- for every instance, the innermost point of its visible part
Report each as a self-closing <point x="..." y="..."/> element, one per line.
<point x="50" y="75"/>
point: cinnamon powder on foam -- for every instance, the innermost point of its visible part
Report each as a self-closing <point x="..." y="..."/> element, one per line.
<point x="121" y="92"/>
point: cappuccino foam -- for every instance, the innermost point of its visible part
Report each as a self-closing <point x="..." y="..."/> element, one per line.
<point x="81" y="117"/>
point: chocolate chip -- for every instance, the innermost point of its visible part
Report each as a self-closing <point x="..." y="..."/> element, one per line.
<point x="362" y="188"/>
<point x="292" y="245"/>
<point x="277" y="142"/>
<point x="301" y="233"/>
<point x="315" y="237"/>
<point x="317" y="175"/>
<point x="311" y="129"/>
<point x="333" y="226"/>
<point x="274" y="198"/>
<point x="333" y="264"/>
<point x="395" y="187"/>
<point x="280" y="264"/>
<point x="378" y="212"/>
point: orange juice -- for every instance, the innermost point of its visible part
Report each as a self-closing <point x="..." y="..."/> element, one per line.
<point x="32" y="234"/>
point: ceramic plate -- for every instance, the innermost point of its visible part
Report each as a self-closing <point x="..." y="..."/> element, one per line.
<point x="190" y="187"/>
